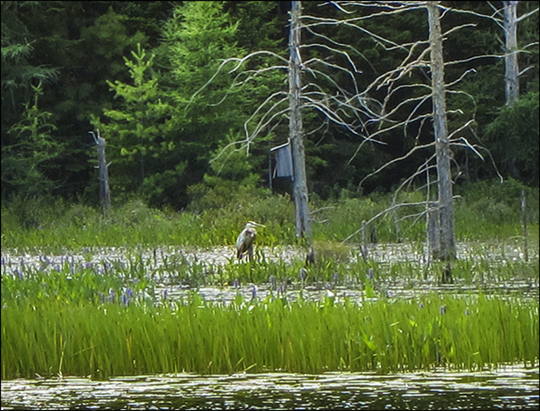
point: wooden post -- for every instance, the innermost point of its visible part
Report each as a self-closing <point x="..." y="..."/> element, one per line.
<point x="373" y="234"/>
<point x="524" y="219"/>
<point x="364" y="247"/>
<point x="396" y="226"/>
<point x="104" y="193"/>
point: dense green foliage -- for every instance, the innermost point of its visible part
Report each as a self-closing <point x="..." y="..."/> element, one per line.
<point x="111" y="317"/>
<point x="484" y="211"/>
<point x="112" y="340"/>
<point x="104" y="320"/>
<point x="146" y="75"/>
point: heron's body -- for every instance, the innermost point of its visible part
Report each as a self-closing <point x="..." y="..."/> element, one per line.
<point x="245" y="240"/>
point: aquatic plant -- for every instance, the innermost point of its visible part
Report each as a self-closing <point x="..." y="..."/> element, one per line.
<point x="111" y="337"/>
<point x="124" y="316"/>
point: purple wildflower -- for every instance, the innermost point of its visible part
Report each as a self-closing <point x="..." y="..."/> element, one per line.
<point x="370" y="273"/>
<point x="253" y="291"/>
<point x="303" y="274"/>
<point x="44" y="259"/>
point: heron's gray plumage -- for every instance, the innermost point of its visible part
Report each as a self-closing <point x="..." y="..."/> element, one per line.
<point x="245" y="240"/>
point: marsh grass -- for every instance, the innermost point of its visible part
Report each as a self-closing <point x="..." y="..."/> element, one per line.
<point x="158" y="268"/>
<point x="482" y="212"/>
<point x="51" y="337"/>
<point x="326" y="250"/>
<point x="104" y="318"/>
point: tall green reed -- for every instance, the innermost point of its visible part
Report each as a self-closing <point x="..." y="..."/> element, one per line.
<point x="105" y="339"/>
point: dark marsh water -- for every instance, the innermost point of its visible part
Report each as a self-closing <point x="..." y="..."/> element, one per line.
<point x="507" y="388"/>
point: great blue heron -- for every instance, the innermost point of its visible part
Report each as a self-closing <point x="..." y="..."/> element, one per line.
<point x="245" y="240"/>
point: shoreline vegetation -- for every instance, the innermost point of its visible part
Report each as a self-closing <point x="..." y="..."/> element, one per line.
<point x="483" y="212"/>
<point x="145" y="311"/>
<point x="54" y="338"/>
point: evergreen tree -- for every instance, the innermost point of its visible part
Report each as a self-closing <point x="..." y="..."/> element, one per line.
<point x="210" y="112"/>
<point x="138" y="134"/>
<point x="27" y="161"/>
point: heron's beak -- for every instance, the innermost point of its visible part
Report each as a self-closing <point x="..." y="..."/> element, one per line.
<point x="256" y="224"/>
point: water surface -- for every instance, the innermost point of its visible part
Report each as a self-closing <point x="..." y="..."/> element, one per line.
<point x="507" y="388"/>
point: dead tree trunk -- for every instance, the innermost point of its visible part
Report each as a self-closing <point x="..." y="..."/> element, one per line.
<point x="447" y="249"/>
<point x="104" y="193"/>
<point x="511" y="52"/>
<point x="300" y="192"/>
<point x="511" y="76"/>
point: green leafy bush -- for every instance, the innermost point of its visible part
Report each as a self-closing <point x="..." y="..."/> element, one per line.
<point x="482" y="211"/>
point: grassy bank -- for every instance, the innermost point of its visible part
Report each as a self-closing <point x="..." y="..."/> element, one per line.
<point x="482" y="212"/>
